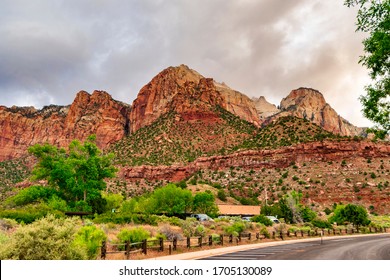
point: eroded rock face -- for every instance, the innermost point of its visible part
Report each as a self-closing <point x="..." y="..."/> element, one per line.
<point x="183" y="90"/>
<point x="97" y="114"/>
<point x="264" y="108"/>
<point x="311" y="105"/>
<point x="258" y="159"/>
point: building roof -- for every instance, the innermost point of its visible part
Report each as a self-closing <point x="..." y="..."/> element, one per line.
<point x="229" y="209"/>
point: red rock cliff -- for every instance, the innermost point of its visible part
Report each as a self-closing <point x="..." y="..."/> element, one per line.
<point x="183" y="90"/>
<point x="97" y="114"/>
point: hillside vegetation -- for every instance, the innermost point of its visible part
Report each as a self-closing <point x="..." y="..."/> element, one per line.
<point x="172" y="140"/>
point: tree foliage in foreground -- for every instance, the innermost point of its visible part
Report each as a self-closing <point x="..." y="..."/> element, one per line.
<point x="46" y="239"/>
<point x="78" y="173"/>
<point x="351" y="213"/>
<point x="374" y="18"/>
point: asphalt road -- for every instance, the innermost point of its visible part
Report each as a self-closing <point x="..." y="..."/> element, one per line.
<point x="371" y="247"/>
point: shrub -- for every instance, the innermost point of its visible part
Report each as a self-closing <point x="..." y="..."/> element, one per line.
<point x="264" y="231"/>
<point x="46" y="239"/>
<point x="235" y="229"/>
<point x="7" y="224"/>
<point x="91" y="238"/>
<point x="29" y="213"/>
<point x="133" y="235"/>
<point x="188" y="227"/>
<point x="321" y="223"/>
<point x="222" y="195"/>
<point x="200" y="230"/>
<point x="169" y="233"/>
<point x="262" y="219"/>
<point x="3" y="238"/>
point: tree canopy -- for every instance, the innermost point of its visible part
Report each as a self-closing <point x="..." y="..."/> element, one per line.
<point x="374" y="18"/>
<point x="77" y="173"/>
<point x="351" y="213"/>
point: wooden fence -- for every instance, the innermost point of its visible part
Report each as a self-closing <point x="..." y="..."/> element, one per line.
<point x="169" y="246"/>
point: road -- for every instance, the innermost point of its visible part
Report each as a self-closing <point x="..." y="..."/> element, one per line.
<point x="371" y="247"/>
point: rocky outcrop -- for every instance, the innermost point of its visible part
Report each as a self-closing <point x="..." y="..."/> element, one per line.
<point x="310" y="104"/>
<point x="258" y="159"/>
<point x="185" y="91"/>
<point x="264" y="108"/>
<point x="97" y="114"/>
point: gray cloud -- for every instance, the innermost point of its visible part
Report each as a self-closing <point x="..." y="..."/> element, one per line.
<point x="52" y="49"/>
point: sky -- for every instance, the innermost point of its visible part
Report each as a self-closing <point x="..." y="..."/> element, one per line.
<point x="50" y="50"/>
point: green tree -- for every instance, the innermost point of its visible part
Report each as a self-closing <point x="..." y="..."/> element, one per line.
<point x="78" y="174"/>
<point x="169" y="200"/>
<point x="374" y="18"/>
<point x="204" y="202"/>
<point x="351" y="213"/>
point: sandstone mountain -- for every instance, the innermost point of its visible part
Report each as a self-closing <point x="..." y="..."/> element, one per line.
<point x="179" y="89"/>
<point x="97" y="114"/>
<point x="186" y="92"/>
<point x="310" y="104"/>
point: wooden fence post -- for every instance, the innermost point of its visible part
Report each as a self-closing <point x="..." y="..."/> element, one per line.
<point x="200" y="241"/>
<point x="273" y="235"/>
<point x="288" y="233"/>
<point x="161" y="244"/>
<point x="257" y="235"/>
<point x="145" y="247"/>
<point x="231" y="238"/>
<point x="127" y="249"/>
<point x="221" y="239"/>
<point x="301" y="233"/>
<point x="188" y="242"/>
<point x="281" y="235"/>
<point x="174" y="243"/>
<point x="250" y="236"/>
<point x="210" y="240"/>
<point x="103" y="250"/>
<point x="296" y="234"/>
<point x="170" y="249"/>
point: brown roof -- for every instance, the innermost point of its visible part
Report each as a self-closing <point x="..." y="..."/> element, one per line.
<point x="227" y="209"/>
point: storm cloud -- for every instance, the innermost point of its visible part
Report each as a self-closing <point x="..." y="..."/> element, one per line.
<point x="50" y="50"/>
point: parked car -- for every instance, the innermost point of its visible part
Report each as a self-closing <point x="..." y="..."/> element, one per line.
<point x="273" y="219"/>
<point x="201" y="217"/>
<point x="246" y="218"/>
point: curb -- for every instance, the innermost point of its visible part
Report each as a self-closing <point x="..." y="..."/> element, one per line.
<point x="231" y="249"/>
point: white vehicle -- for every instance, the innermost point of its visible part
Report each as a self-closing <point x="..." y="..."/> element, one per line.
<point x="201" y="217"/>
<point x="273" y="219"/>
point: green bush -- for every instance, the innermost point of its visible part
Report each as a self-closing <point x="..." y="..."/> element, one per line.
<point x="46" y="239"/>
<point x="321" y="223"/>
<point x="235" y="229"/>
<point x="126" y="218"/>
<point x="29" y="213"/>
<point x="3" y="238"/>
<point x="188" y="226"/>
<point x="262" y="219"/>
<point x="133" y="235"/>
<point x="264" y="231"/>
<point x="91" y="238"/>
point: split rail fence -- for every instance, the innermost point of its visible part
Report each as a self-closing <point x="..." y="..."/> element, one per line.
<point x="170" y="246"/>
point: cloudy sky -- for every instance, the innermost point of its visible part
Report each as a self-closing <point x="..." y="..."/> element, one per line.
<point x="50" y="50"/>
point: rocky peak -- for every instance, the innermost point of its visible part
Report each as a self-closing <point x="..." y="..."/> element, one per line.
<point x="264" y="108"/>
<point x="310" y="104"/>
<point x="88" y="114"/>
<point x="183" y="90"/>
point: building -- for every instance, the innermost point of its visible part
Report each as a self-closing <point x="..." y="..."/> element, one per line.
<point x="238" y="210"/>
